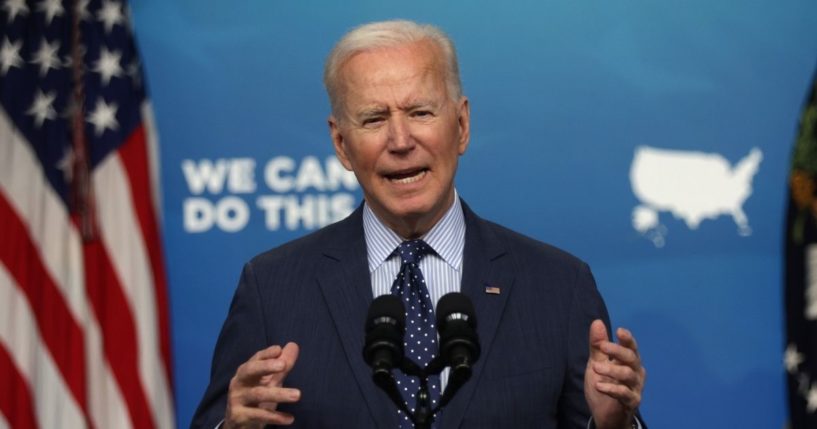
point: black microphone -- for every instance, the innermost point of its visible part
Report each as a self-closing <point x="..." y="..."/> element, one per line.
<point x="459" y="344"/>
<point x="383" y="348"/>
<point x="385" y="326"/>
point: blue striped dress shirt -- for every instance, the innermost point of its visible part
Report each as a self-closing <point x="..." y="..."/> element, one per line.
<point x="442" y="271"/>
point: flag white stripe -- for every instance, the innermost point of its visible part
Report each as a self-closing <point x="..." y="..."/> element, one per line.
<point x="121" y="235"/>
<point x="3" y="423"/>
<point x="59" y="245"/>
<point x="152" y="143"/>
<point x="108" y="408"/>
<point x="54" y="405"/>
<point x="37" y="204"/>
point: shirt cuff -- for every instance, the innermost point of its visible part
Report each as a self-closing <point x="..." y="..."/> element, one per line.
<point x="635" y="425"/>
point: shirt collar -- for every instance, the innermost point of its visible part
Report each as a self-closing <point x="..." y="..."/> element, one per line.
<point x="447" y="237"/>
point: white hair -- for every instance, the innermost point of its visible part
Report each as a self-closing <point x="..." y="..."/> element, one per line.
<point x="386" y="34"/>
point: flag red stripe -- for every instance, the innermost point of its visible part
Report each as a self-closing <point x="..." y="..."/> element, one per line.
<point x="118" y="330"/>
<point x="134" y="156"/>
<point x="58" y="329"/>
<point x="16" y="403"/>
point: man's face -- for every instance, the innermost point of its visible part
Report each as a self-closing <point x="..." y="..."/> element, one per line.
<point x="401" y="133"/>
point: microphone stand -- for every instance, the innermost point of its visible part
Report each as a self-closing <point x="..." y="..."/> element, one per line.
<point x="423" y="415"/>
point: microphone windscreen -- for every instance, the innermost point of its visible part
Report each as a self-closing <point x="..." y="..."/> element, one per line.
<point x="455" y="304"/>
<point x="388" y="306"/>
<point x="385" y="328"/>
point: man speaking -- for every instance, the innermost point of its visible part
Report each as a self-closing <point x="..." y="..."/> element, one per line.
<point x="289" y="352"/>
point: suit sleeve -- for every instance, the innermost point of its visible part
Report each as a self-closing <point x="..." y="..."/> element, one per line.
<point x="242" y="335"/>
<point x="586" y="305"/>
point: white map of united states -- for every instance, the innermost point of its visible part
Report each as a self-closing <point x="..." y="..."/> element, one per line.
<point x="692" y="186"/>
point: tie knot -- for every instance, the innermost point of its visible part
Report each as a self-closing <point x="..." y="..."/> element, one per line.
<point x="413" y="250"/>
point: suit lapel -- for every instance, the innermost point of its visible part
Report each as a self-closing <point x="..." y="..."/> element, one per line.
<point x="346" y="286"/>
<point x="485" y="264"/>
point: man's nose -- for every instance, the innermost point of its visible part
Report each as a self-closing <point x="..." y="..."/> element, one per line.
<point x="400" y="137"/>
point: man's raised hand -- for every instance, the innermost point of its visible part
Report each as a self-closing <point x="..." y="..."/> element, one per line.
<point x="614" y="378"/>
<point x="257" y="389"/>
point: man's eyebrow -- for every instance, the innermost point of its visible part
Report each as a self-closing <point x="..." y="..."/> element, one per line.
<point x="371" y="111"/>
<point x="375" y="110"/>
<point x="418" y="104"/>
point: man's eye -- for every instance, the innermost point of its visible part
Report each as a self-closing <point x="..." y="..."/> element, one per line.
<point x="421" y="114"/>
<point x="372" y="121"/>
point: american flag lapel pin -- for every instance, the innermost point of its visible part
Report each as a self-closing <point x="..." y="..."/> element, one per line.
<point x="492" y="290"/>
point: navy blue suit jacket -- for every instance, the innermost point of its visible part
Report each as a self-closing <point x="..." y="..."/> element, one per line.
<point x="315" y="291"/>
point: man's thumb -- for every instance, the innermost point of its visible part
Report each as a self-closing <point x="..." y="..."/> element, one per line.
<point x="598" y="335"/>
<point x="289" y="355"/>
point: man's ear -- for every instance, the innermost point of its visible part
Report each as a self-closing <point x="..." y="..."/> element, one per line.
<point x="339" y="142"/>
<point x="464" y="124"/>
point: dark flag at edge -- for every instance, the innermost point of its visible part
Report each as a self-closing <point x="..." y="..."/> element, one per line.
<point x="800" y="356"/>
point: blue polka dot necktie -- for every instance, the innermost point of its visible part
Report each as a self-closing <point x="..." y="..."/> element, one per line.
<point x="420" y="340"/>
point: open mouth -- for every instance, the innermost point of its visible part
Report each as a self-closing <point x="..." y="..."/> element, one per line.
<point x="406" y="177"/>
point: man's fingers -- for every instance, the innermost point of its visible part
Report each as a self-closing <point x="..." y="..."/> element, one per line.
<point x="270" y="352"/>
<point x="630" y="398"/>
<point x="262" y="394"/>
<point x="251" y="372"/>
<point x="285" y="363"/>
<point x="614" y="371"/>
<point x="255" y="391"/>
<point x="620" y="353"/>
<point x="282" y="418"/>
<point x="249" y="415"/>
<point x="617" y="373"/>
<point x="256" y="370"/>
<point x="270" y="406"/>
<point x="268" y="366"/>
<point x="626" y="339"/>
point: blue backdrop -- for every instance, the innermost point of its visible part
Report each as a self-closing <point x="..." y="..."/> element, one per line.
<point x="563" y="93"/>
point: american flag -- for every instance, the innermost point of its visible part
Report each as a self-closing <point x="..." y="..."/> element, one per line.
<point x="84" y="325"/>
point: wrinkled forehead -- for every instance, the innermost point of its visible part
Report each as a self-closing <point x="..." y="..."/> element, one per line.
<point x="392" y="64"/>
<point x="398" y="75"/>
